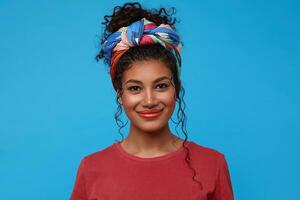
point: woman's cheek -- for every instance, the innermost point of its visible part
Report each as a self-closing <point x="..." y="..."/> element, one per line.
<point x="131" y="101"/>
<point x="168" y="98"/>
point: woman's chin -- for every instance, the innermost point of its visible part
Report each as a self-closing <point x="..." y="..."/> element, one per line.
<point x="151" y="127"/>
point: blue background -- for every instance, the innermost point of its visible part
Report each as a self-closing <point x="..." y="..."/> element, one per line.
<point x="240" y="71"/>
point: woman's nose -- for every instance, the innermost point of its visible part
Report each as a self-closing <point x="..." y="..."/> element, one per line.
<point x="149" y="99"/>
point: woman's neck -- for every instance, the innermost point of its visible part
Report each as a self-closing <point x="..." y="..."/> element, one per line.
<point x="151" y="144"/>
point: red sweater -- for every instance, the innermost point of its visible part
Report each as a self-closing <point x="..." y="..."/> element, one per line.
<point x="114" y="174"/>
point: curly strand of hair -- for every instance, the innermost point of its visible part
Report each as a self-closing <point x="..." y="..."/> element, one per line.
<point x="117" y="115"/>
<point x="182" y="120"/>
<point x="168" y="15"/>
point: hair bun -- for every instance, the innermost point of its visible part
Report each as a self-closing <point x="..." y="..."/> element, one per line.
<point x="130" y="12"/>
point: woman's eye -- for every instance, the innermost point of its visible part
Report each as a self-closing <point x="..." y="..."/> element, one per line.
<point x="162" y="85"/>
<point x="134" y="88"/>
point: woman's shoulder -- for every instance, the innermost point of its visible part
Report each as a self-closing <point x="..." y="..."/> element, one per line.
<point x="205" y="153"/>
<point x="102" y="155"/>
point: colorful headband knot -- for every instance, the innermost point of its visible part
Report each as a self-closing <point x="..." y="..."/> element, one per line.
<point x="140" y="33"/>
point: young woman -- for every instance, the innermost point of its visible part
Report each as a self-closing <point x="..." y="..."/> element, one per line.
<point x="142" y="50"/>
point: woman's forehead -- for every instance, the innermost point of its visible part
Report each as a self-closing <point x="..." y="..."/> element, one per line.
<point x="137" y="81"/>
<point x="147" y="70"/>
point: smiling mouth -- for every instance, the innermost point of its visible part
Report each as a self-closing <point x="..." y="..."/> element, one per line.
<point x="150" y="114"/>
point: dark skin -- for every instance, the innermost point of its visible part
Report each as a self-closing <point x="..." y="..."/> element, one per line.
<point x="147" y="85"/>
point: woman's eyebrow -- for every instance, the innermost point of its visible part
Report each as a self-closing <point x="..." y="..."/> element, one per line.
<point x="140" y="82"/>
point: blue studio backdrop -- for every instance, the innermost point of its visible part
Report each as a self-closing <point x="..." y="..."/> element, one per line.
<point x="240" y="72"/>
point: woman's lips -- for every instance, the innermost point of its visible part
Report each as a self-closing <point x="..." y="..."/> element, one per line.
<point x="151" y="114"/>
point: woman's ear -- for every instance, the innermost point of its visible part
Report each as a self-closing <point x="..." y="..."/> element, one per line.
<point x="119" y="98"/>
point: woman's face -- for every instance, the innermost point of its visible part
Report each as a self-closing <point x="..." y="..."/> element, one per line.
<point x="148" y="87"/>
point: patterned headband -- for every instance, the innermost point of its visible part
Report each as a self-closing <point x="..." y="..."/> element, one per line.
<point x="140" y="33"/>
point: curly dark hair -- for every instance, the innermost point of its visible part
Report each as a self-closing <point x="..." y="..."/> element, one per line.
<point x="123" y="16"/>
